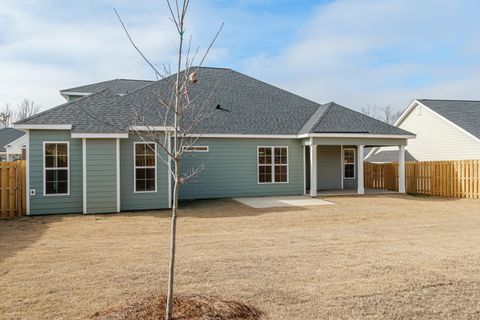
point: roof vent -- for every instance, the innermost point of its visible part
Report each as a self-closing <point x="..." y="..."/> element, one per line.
<point x="219" y="107"/>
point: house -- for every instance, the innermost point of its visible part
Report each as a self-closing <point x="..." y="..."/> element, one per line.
<point x="12" y="144"/>
<point x="84" y="155"/>
<point x="445" y="130"/>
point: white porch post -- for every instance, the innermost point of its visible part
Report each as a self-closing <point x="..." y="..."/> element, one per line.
<point x="401" y="169"/>
<point x="360" y="184"/>
<point x="313" y="170"/>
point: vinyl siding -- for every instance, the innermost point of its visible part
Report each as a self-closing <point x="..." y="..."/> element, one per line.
<point x="436" y="138"/>
<point x="231" y="169"/>
<point x="141" y="201"/>
<point x="101" y="176"/>
<point x="40" y="204"/>
<point x="329" y="172"/>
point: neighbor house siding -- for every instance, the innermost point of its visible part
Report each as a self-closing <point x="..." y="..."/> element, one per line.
<point x="436" y="138"/>
<point x="40" y="204"/>
<point x="231" y="169"/>
<point x="101" y="176"/>
<point x="329" y="174"/>
<point x="141" y="201"/>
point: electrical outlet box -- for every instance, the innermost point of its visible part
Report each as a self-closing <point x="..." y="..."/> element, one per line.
<point x="32" y="192"/>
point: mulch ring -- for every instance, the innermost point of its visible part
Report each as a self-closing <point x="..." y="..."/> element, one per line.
<point x="192" y="307"/>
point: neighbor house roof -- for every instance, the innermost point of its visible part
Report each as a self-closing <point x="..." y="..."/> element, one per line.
<point x="238" y="104"/>
<point x="389" y="156"/>
<point x="463" y="113"/>
<point x="8" y="135"/>
<point x="119" y="86"/>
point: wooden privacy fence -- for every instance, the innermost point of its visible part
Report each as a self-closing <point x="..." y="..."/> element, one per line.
<point x="457" y="179"/>
<point x="12" y="189"/>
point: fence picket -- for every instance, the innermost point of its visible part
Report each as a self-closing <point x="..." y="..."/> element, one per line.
<point x="458" y="179"/>
<point x="12" y="189"/>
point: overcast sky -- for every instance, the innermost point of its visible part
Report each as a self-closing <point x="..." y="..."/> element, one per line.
<point x="357" y="53"/>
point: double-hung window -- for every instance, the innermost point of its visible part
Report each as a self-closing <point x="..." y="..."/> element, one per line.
<point x="272" y="164"/>
<point x="349" y="163"/>
<point x="56" y="172"/>
<point x="145" y="167"/>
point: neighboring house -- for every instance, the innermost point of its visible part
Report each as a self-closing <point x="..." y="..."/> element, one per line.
<point x="445" y="130"/>
<point x="259" y="140"/>
<point x="12" y="143"/>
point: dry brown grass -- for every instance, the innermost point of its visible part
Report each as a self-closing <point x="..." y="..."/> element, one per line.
<point x="374" y="257"/>
<point x="193" y="307"/>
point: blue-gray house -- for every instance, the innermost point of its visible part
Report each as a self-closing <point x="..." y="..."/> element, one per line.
<point x="84" y="155"/>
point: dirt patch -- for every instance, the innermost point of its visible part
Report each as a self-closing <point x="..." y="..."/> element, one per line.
<point x="184" y="308"/>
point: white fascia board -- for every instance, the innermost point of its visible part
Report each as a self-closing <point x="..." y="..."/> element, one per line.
<point x="73" y="93"/>
<point x="405" y="113"/>
<point x="246" y="136"/>
<point x="100" y="135"/>
<point x="43" y="126"/>
<point x="356" y="135"/>
<point x="151" y="128"/>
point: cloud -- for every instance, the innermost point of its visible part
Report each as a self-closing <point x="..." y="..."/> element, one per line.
<point x="43" y="50"/>
<point x="380" y="52"/>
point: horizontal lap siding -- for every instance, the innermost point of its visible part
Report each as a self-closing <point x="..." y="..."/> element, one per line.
<point x="141" y="201"/>
<point x="101" y="176"/>
<point x="40" y="204"/>
<point x="231" y="169"/>
<point x="329" y="167"/>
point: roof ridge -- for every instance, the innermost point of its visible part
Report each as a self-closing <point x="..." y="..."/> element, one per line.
<point x="62" y="105"/>
<point x="462" y="100"/>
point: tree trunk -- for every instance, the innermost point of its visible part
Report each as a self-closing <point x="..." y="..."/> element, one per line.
<point x="171" y="268"/>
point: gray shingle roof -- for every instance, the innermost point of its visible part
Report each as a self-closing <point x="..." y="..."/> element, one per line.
<point x="119" y="86"/>
<point x="247" y="106"/>
<point x="389" y="156"/>
<point x="8" y="135"/>
<point x="464" y="113"/>
<point x="334" y="118"/>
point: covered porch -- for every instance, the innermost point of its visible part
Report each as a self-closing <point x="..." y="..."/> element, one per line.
<point x="335" y="165"/>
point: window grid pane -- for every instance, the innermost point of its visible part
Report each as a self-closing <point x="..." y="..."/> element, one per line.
<point x="145" y="167"/>
<point x="56" y="168"/>
<point x="272" y="165"/>
<point x="349" y="164"/>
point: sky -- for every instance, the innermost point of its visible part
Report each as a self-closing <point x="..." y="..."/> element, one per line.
<point x="358" y="53"/>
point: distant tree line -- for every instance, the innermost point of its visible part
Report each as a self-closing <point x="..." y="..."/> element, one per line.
<point x="385" y="114"/>
<point x="10" y="115"/>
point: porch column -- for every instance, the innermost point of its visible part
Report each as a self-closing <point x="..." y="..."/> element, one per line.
<point x="360" y="184"/>
<point x="401" y="169"/>
<point x="313" y="170"/>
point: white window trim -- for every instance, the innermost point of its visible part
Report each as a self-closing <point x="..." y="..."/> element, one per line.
<point x="186" y="148"/>
<point x="272" y="165"/>
<point x="135" y="167"/>
<point x="58" y="168"/>
<point x="354" y="164"/>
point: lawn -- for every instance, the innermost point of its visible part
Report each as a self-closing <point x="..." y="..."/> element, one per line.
<point x="372" y="257"/>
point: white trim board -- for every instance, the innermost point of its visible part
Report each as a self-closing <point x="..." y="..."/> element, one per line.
<point x="27" y="169"/>
<point x="117" y="142"/>
<point x="84" y="174"/>
<point x="99" y="135"/>
<point x="43" y="126"/>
